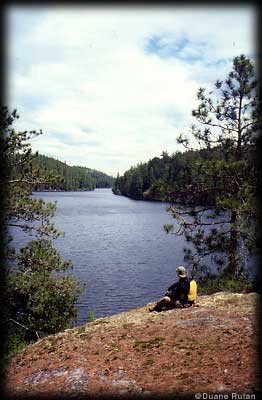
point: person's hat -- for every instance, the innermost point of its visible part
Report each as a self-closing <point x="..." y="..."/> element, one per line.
<point x="181" y="272"/>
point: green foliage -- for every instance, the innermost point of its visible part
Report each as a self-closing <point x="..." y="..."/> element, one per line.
<point x="212" y="189"/>
<point x="71" y="178"/>
<point x="218" y="284"/>
<point x="38" y="300"/>
<point x="132" y="183"/>
<point x="39" y="297"/>
<point x="163" y="178"/>
<point x="101" y="179"/>
<point x="229" y="122"/>
<point x="91" y="315"/>
<point x="12" y="345"/>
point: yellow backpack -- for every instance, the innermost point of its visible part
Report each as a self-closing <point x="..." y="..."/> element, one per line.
<point x="192" y="294"/>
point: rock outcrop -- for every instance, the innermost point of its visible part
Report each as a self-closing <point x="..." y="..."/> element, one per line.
<point x="210" y="348"/>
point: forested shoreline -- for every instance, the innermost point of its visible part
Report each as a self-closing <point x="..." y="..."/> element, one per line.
<point x="73" y="178"/>
<point x="212" y="186"/>
<point x="143" y="181"/>
<point x="158" y="178"/>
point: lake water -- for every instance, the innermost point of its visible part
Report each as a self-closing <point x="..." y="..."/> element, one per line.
<point x="118" y="246"/>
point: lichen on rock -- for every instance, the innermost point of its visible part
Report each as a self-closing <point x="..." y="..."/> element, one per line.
<point x="176" y="351"/>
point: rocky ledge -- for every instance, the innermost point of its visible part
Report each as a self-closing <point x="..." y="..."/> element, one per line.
<point x="210" y="348"/>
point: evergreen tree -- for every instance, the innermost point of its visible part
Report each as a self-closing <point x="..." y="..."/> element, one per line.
<point x="71" y="178"/>
<point x="36" y="300"/>
<point x="136" y="184"/>
<point x="116" y="187"/>
<point x="228" y="128"/>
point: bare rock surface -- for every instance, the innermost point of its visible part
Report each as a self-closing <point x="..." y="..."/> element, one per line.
<point x="209" y="348"/>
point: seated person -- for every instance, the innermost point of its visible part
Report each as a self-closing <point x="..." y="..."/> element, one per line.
<point x="179" y="295"/>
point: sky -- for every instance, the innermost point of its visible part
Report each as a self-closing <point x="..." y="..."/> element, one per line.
<point x="113" y="87"/>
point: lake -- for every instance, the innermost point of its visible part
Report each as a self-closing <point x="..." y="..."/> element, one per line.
<point x="118" y="246"/>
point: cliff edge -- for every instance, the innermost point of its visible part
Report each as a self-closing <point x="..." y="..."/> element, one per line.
<point x="209" y="348"/>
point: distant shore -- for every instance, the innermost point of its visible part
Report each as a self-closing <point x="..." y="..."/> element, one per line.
<point x="69" y="190"/>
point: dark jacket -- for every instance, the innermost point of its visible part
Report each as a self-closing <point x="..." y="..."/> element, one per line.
<point x="179" y="290"/>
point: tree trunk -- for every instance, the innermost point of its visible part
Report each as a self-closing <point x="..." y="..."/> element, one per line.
<point x="233" y="266"/>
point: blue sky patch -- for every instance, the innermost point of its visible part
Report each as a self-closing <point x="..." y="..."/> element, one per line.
<point x="176" y="46"/>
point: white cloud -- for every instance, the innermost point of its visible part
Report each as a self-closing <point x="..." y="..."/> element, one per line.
<point x="83" y="76"/>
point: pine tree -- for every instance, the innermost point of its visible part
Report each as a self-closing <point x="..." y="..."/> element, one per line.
<point x="36" y="301"/>
<point x="220" y="213"/>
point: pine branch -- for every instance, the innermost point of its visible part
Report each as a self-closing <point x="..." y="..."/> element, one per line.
<point x="18" y="323"/>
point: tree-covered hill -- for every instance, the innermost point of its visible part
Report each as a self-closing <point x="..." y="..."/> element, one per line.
<point x="155" y="179"/>
<point x="73" y="178"/>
